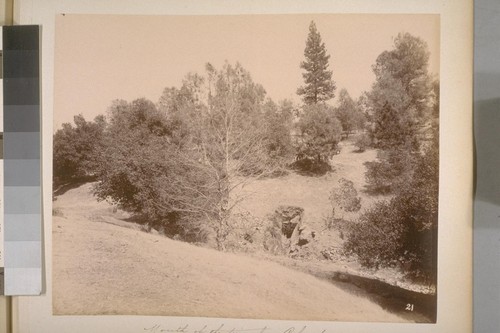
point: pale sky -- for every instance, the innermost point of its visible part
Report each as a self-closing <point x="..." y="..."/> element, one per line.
<point x="100" y="58"/>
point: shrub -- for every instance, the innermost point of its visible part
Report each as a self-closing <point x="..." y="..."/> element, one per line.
<point x="403" y="230"/>
<point x="311" y="167"/>
<point x="273" y="237"/>
<point x="375" y="237"/>
<point x="246" y="234"/>
<point x="345" y="197"/>
<point x="392" y="169"/>
<point x="363" y="142"/>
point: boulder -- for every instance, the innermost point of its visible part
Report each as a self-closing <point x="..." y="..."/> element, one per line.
<point x="287" y="213"/>
<point x="288" y="217"/>
<point x="296" y="237"/>
<point x="306" y="235"/>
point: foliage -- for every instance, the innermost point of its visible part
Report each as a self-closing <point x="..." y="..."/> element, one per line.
<point x="363" y="142"/>
<point x="144" y="170"/>
<point x="75" y="148"/>
<point x="319" y="132"/>
<point x="345" y="197"/>
<point x="182" y="108"/>
<point x="311" y="167"/>
<point x="233" y="139"/>
<point x="181" y="163"/>
<point x="401" y="102"/>
<point x="392" y="169"/>
<point x="403" y="230"/>
<point x="319" y="86"/>
<point x="375" y="238"/>
<point x="247" y="233"/>
<point x="435" y="103"/>
<point x="348" y="113"/>
<point x="403" y="105"/>
<point x="392" y="131"/>
<point x="135" y="150"/>
<point x="401" y="93"/>
<point x="364" y="106"/>
<point x="277" y="129"/>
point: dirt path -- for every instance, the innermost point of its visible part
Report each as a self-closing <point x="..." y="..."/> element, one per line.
<point x="101" y="268"/>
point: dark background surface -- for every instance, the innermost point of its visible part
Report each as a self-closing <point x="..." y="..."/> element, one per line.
<point x="487" y="142"/>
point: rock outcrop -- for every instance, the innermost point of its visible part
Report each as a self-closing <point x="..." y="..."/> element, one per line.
<point x="295" y="235"/>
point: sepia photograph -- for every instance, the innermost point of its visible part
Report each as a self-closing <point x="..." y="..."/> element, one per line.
<point x="278" y="167"/>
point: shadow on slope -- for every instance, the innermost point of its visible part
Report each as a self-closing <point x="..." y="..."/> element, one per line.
<point x="310" y="167"/>
<point x="412" y="305"/>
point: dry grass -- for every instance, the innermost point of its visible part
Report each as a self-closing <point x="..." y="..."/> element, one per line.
<point x="104" y="264"/>
<point x="103" y="268"/>
<point x="312" y="193"/>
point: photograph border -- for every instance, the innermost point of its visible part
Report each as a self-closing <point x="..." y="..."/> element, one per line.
<point x="455" y="249"/>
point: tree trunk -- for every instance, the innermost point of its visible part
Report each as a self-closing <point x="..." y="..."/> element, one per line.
<point x="222" y="228"/>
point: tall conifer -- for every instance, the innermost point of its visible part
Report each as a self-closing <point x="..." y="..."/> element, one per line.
<point x="319" y="86"/>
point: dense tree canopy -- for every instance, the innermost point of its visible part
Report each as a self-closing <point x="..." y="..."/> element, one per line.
<point x="180" y="163"/>
<point x="75" y="148"/>
<point x="278" y="125"/>
<point x="404" y="109"/>
<point x="348" y="113"/>
<point x="402" y="90"/>
<point x="135" y="144"/>
<point x="402" y="106"/>
<point x="319" y="131"/>
<point x="403" y="230"/>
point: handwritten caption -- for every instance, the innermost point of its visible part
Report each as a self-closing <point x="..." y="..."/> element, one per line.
<point x="222" y="329"/>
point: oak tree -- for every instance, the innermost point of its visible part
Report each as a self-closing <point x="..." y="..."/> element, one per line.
<point x="181" y="164"/>
<point x="75" y="149"/>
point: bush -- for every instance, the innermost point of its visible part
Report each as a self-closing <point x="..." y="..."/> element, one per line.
<point x="273" y="237"/>
<point x="246" y="234"/>
<point x="389" y="173"/>
<point x="311" y="167"/>
<point x="386" y="236"/>
<point x="403" y="231"/>
<point x="345" y="197"/>
<point x="374" y="238"/>
<point x="363" y="142"/>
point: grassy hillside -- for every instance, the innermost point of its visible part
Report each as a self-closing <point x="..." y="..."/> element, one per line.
<point x="101" y="267"/>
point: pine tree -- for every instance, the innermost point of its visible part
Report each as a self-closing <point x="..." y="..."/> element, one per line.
<point x="319" y="86"/>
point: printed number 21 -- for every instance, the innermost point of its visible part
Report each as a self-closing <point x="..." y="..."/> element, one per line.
<point x="409" y="307"/>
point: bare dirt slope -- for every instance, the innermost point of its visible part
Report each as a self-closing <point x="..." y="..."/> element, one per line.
<point x="100" y="267"/>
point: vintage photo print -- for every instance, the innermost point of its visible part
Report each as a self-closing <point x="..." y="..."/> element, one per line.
<point x="247" y="166"/>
